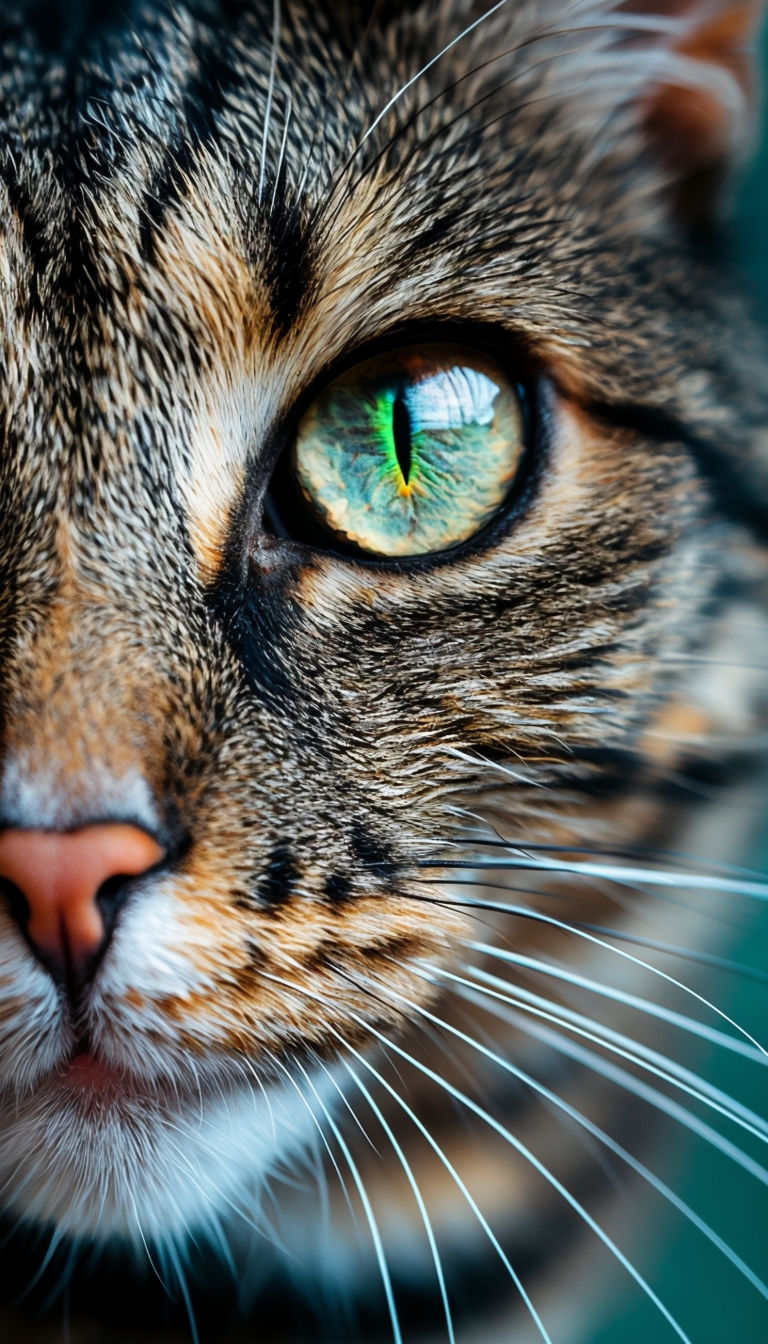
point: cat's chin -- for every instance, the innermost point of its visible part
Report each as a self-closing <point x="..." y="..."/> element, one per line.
<point x="97" y="1155"/>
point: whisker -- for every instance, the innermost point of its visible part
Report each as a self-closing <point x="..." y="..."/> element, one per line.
<point x="420" y="73"/>
<point x="622" y="1078"/>
<point x="366" y="1203"/>
<point x="181" y="1279"/>
<point x="649" y="877"/>
<point x="604" y="1138"/>
<point x="435" y="1148"/>
<point x="531" y="1158"/>
<point x="276" y="22"/>
<point x="681" y="1020"/>
<point x="536" y="916"/>
<point x="413" y="1183"/>
<point x="629" y="904"/>
<point x="460" y="1185"/>
<point x="617" y="1043"/>
<point x="145" y="1244"/>
<point x="524" y="847"/>
<point x="279" y="1064"/>
<point x="281" y="155"/>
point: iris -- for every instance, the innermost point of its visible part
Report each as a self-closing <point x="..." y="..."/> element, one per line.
<point x="411" y="452"/>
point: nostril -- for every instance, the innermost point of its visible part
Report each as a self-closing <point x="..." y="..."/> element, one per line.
<point x="15" y="901"/>
<point x="112" y="895"/>
<point x="65" y="888"/>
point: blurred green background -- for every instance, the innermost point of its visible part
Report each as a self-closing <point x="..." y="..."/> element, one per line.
<point x="751" y="212"/>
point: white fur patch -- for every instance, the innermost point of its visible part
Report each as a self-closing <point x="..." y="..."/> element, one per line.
<point x="146" y="1163"/>
<point x="33" y="799"/>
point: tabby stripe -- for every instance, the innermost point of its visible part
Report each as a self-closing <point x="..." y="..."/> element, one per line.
<point x="733" y="488"/>
<point x="206" y="95"/>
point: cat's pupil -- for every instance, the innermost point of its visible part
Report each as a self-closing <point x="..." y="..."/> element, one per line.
<point x="401" y="433"/>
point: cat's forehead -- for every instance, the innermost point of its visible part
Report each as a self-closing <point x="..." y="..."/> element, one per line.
<point x="202" y="216"/>
<point x="274" y="162"/>
<point x="205" y="212"/>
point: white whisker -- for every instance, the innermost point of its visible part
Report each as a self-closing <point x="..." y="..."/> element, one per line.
<point x="367" y="1207"/>
<point x="413" y="1183"/>
<point x="637" y="1166"/>
<point x="428" y="66"/>
<point x="460" y="1185"/>
<point x="648" y="1006"/>
<point x="627" y="1081"/>
<point x="525" y="912"/>
<point x="549" y="1176"/>
<point x="276" y="20"/>
<point x="669" y="1071"/>
<point x="625" y="876"/>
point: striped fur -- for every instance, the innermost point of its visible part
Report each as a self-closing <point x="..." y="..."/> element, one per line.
<point x="205" y="210"/>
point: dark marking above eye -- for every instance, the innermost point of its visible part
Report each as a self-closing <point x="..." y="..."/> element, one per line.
<point x="289" y="269"/>
<point x="278" y="880"/>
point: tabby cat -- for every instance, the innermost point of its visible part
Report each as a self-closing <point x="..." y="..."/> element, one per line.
<point x="383" y="484"/>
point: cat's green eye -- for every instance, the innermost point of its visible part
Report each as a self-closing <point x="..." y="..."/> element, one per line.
<point x="411" y="452"/>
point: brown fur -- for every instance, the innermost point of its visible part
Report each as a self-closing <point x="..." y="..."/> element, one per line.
<point x="304" y="722"/>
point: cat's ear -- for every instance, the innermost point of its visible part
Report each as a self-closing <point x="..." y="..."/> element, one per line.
<point x="699" y="111"/>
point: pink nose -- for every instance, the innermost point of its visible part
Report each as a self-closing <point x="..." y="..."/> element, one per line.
<point x="60" y="874"/>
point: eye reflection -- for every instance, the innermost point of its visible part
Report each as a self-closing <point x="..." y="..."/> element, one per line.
<point x="411" y="452"/>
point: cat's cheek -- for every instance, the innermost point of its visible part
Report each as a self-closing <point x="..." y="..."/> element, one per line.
<point x="165" y="997"/>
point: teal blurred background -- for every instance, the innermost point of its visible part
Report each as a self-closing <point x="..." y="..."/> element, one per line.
<point x="709" y="1297"/>
<point x="752" y="205"/>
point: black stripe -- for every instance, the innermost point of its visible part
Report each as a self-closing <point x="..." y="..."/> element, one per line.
<point x="724" y="466"/>
<point x="276" y="884"/>
<point x="289" y="270"/>
<point x="206" y="94"/>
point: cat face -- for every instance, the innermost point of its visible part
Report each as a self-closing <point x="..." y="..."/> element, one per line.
<point x="205" y="225"/>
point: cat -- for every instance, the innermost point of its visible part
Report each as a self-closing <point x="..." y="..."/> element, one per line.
<point x="383" y="486"/>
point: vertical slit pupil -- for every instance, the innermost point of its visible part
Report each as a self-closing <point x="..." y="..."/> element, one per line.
<point x="401" y="433"/>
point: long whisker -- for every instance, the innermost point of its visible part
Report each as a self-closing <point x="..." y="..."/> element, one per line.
<point x="413" y="1183"/>
<point x="695" y="955"/>
<point x="281" y="155"/>
<point x="627" y="1081"/>
<point x="144" y="1242"/>
<point x="276" y="21"/>
<point x="510" y="1138"/>
<point x="465" y="32"/>
<point x="455" y="1177"/>
<point x="663" y="1014"/>
<point x="605" y="1139"/>
<point x="524" y="912"/>
<point x="637" y="877"/>
<point x="432" y="1143"/>
<point x="669" y="1071"/>
<point x="279" y="1064"/>
<point x="629" y="906"/>
<point x="531" y="1158"/>
<point x="181" y="1279"/>
<point x="443" y="130"/>
<point x="378" y="1244"/>
<point x="623" y="851"/>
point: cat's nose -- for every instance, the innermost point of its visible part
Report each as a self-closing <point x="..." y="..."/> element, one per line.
<point x="72" y="883"/>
